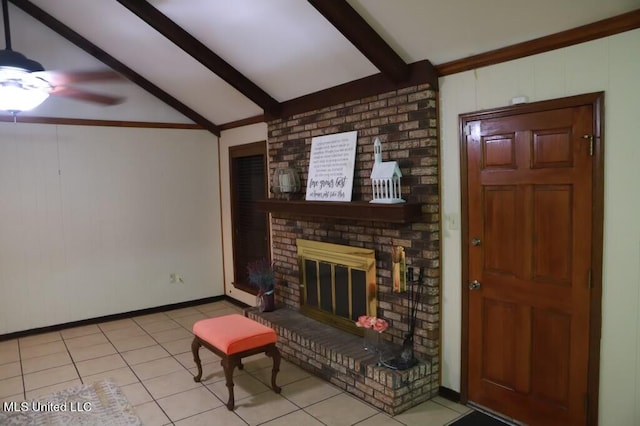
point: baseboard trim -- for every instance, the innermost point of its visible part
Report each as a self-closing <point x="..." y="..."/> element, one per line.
<point x="122" y="315"/>
<point x="449" y="394"/>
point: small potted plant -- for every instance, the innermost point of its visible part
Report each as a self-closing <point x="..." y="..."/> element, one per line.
<point x="262" y="277"/>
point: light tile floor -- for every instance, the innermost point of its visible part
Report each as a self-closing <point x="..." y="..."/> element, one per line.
<point x="149" y="357"/>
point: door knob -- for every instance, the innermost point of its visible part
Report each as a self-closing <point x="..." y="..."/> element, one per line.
<point x="475" y="241"/>
<point x="474" y="285"/>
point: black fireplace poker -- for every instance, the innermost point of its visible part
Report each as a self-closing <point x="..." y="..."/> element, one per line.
<point x="415" y="289"/>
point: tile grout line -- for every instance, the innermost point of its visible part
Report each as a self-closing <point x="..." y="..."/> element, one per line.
<point x="73" y="361"/>
<point x="24" y="386"/>
<point x="153" y="398"/>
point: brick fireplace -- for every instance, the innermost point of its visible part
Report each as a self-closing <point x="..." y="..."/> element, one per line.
<point x="405" y="120"/>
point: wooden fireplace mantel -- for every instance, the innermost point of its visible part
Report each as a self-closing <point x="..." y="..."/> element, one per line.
<point x="356" y="210"/>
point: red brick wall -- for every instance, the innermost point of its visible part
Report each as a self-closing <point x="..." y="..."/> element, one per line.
<point x="406" y="123"/>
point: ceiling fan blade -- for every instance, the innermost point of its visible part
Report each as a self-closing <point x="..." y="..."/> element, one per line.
<point x="56" y="78"/>
<point x="83" y="95"/>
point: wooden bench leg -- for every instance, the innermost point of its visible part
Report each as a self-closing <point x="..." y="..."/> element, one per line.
<point x="274" y="353"/>
<point x="229" y="363"/>
<point x="195" y="348"/>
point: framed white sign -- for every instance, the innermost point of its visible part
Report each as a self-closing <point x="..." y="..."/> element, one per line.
<point x="331" y="167"/>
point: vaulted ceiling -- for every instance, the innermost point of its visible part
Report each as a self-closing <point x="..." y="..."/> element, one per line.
<point x="219" y="63"/>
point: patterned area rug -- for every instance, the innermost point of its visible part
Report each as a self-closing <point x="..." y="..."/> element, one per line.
<point x="101" y="403"/>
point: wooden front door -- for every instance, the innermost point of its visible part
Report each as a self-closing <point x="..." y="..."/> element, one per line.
<point x="530" y="220"/>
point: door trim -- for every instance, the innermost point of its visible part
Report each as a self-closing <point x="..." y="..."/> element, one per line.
<point x="596" y="100"/>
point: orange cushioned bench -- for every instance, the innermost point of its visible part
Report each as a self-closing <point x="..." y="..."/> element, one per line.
<point x="233" y="337"/>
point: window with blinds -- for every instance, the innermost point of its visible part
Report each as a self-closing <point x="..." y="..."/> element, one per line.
<point x="250" y="225"/>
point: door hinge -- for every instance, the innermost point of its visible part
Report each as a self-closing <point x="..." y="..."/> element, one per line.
<point x="589" y="280"/>
<point x="467" y="129"/>
<point x="590" y="138"/>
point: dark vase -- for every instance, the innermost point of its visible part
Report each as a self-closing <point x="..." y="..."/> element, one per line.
<point x="266" y="301"/>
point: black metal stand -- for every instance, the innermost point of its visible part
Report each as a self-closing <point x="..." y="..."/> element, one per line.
<point x="406" y="359"/>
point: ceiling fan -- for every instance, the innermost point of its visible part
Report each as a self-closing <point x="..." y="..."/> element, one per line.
<point x="24" y="83"/>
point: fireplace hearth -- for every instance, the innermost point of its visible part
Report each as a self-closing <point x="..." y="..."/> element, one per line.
<point x="340" y="358"/>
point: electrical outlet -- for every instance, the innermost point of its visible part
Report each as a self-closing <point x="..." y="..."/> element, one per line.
<point x="173" y="278"/>
<point x="179" y="279"/>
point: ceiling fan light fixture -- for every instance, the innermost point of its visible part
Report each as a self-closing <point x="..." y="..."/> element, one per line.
<point x="21" y="91"/>
<point x="13" y="59"/>
<point x="17" y="99"/>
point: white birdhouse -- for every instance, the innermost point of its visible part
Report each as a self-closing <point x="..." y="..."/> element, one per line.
<point x="385" y="178"/>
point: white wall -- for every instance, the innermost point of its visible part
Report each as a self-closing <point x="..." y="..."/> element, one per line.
<point x="611" y="65"/>
<point x="234" y="137"/>
<point x="94" y="219"/>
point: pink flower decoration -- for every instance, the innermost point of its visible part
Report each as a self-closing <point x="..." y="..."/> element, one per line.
<point x="363" y="321"/>
<point x="378" y="324"/>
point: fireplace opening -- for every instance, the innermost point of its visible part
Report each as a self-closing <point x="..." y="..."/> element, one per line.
<point x="338" y="283"/>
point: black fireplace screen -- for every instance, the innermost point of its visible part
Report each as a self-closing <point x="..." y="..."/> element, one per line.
<point x="335" y="289"/>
